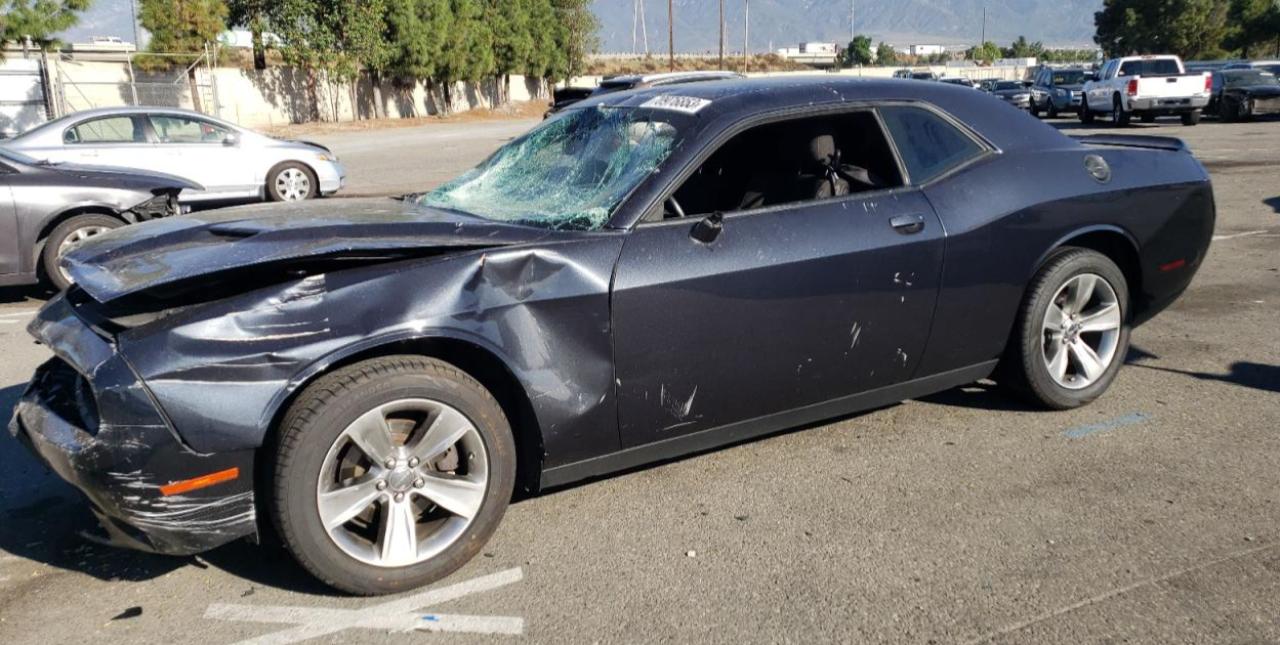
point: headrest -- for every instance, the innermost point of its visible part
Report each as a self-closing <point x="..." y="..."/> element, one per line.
<point x="822" y="149"/>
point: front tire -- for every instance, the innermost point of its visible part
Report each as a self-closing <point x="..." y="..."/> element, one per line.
<point x="391" y="474"/>
<point x="292" y="182"/>
<point x="1119" y="117"/>
<point x="67" y="236"/>
<point x="1086" y="115"/>
<point x="1072" y="332"/>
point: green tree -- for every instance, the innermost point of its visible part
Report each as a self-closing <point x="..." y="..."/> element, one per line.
<point x="1021" y="48"/>
<point x="467" y="54"/>
<point x="545" y="35"/>
<point x="417" y="31"/>
<point x="1189" y="28"/>
<point x="858" y="52"/>
<point x="39" y="20"/>
<point x="252" y="15"/>
<point x="181" y="27"/>
<point x="513" y="43"/>
<point x="985" y="54"/>
<point x="886" y="56"/>
<point x="575" y="38"/>
<point x="1253" y="26"/>
<point x="332" y="39"/>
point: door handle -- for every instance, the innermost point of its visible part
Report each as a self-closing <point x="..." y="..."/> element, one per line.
<point x="907" y="224"/>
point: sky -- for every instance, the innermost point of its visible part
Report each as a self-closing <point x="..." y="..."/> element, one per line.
<point x="104" y="18"/>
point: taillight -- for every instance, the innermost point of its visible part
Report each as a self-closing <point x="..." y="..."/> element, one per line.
<point x="1133" y="87"/>
<point x="1208" y="83"/>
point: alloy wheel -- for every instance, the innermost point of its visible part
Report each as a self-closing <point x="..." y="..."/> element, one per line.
<point x="293" y="185"/>
<point x="73" y="240"/>
<point x="402" y="482"/>
<point x="1081" y="331"/>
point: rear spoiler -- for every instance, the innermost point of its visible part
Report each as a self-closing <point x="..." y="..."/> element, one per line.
<point x="1172" y="144"/>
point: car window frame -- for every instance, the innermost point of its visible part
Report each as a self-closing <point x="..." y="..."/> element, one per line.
<point x="131" y="116"/>
<point x="987" y="148"/>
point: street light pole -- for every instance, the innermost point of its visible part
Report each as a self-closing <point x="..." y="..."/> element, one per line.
<point x="746" y="36"/>
<point x="721" y="34"/>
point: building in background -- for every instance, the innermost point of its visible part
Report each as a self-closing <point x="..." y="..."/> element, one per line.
<point x="814" y="54"/>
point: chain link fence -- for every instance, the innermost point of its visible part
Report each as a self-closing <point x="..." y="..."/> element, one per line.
<point x="168" y="80"/>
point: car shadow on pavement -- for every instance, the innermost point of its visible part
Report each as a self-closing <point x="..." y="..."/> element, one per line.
<point x="984" y="395"/>
<point x="45" y="520"/>
<point x="34" y="294"/>
<point x="1255" y="376"/>
<point x="1273" y="202"/>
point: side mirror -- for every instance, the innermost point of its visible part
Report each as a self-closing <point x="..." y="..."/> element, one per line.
<point x="232" y="139"/>
<point x="708" y="229"/>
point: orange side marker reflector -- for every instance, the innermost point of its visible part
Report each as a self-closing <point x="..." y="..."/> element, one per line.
<point x="196" y="483"/>
<point x="1176" y="264"/>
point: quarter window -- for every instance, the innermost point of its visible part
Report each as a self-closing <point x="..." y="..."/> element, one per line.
<point x="113" y="129"/>
<point x="928" y="144"/>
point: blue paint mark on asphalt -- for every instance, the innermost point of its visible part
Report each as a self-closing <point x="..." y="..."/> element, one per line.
<point x="431" y="618"/>
<point x="1079" y="432"/>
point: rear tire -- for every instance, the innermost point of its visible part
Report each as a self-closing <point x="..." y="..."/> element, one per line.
<point x="415" y="513"/>
<point x="1091" y="358"/>
<point x="1119" y="117"/>
<point x="1191" y="118"/>
<point x="67" y="236"/>
<point x="1086" y="115"/>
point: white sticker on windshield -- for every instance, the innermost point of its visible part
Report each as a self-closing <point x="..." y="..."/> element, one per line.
<point x="686" y="104"/>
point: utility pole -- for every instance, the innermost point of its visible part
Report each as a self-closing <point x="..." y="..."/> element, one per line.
<point x="671" y="34"/>
<point x="638" y="25"/>
<point x="852" y="13"/>
<point x="746" y="36"/>
<point x="721" y="34"/>
<point x="984" y="26"/>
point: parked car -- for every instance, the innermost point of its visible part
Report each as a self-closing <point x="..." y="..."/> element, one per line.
<point x="375" y="377"/>
<point x="1015" y="93"/>
<point x="634" y="82"/>
<point x="47" y="209"/>
<point x="230" y="162"/>
<point x="957" y="80"/>
<point x="988" y="84"/>
<point x="1054" y="91"/>
<point x="1146" y="86"/>
<point x="1271" y="66"/>
<point x="1241" y="94"/>
<point x="915" y="75"/>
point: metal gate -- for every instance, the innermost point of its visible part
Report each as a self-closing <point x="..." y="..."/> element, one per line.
<point x="166" y="80"/>
<point x="23" y="101"/>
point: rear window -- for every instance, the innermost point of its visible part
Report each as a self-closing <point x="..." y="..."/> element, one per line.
<point x="1075" y="77"/>
<point x="113" y="129"/>
<point x="1151" y="67"/>
<point x="928" y="144"/>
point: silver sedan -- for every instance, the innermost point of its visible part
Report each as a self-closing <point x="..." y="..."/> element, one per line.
<point x="230" y="162"/>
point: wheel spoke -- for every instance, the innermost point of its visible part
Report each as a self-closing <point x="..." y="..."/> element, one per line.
<point x="372" y="436"/>
<point x="1054" y="318"/>
<point x="447" y="427"/>
<point x="1080" y="292"/>
<point x="398" y="535"/>
<point x="459" y="496"/>
<point x="1058" y="362"/>
<point x="1088" y="360"/>
<point x="338" y="506"/>
<point x="1105" y="318"/>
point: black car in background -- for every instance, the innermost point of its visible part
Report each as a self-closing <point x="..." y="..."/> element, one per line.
<point x="1054" y="91"/>
<point x="645" y="275"/>
<point x="48" y="208"/>
<point x="1241" y="94"/>
<point x="564" y="97"/>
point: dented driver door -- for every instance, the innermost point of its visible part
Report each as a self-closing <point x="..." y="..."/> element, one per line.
<point x="788" y="307"/>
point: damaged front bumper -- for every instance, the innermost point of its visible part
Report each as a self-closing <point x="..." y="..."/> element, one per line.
<point x="91" y="420"/>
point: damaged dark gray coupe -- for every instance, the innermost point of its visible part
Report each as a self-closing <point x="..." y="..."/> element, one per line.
<point x="646" y="275"/>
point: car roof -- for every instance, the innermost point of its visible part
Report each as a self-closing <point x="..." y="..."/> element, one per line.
<point x="742" y="98"/>
<point x="140" y="109"/>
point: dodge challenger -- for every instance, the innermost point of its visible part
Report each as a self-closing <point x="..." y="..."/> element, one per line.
<point x="647" y="274"/>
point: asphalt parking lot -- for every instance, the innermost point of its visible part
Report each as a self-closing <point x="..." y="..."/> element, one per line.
<point x="1151" y="516"/>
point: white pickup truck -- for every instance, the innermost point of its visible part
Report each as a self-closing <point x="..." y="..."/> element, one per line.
<point x="1148" y="86"/>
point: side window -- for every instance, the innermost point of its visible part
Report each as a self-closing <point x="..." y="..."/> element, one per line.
<point x="180" y="129"/>
<point x="790" y="162"/>
<point x="112" y="129"/>
<point x="928" y="144"/>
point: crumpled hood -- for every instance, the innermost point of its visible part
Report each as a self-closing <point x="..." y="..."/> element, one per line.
<point x="136" y="258"/>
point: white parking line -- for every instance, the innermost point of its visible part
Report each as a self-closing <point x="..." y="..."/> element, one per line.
<point x="398" y="615"/>
<point x="1232" y="236"/>
<point x="20" y="314"/>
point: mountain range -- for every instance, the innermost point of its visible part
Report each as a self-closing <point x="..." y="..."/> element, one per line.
<point x="785" y="23"/>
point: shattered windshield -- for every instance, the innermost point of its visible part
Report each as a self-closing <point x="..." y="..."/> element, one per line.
<point x="569" y="173"/>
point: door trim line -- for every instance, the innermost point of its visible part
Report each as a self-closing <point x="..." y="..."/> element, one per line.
<point x="740" y="431"/>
